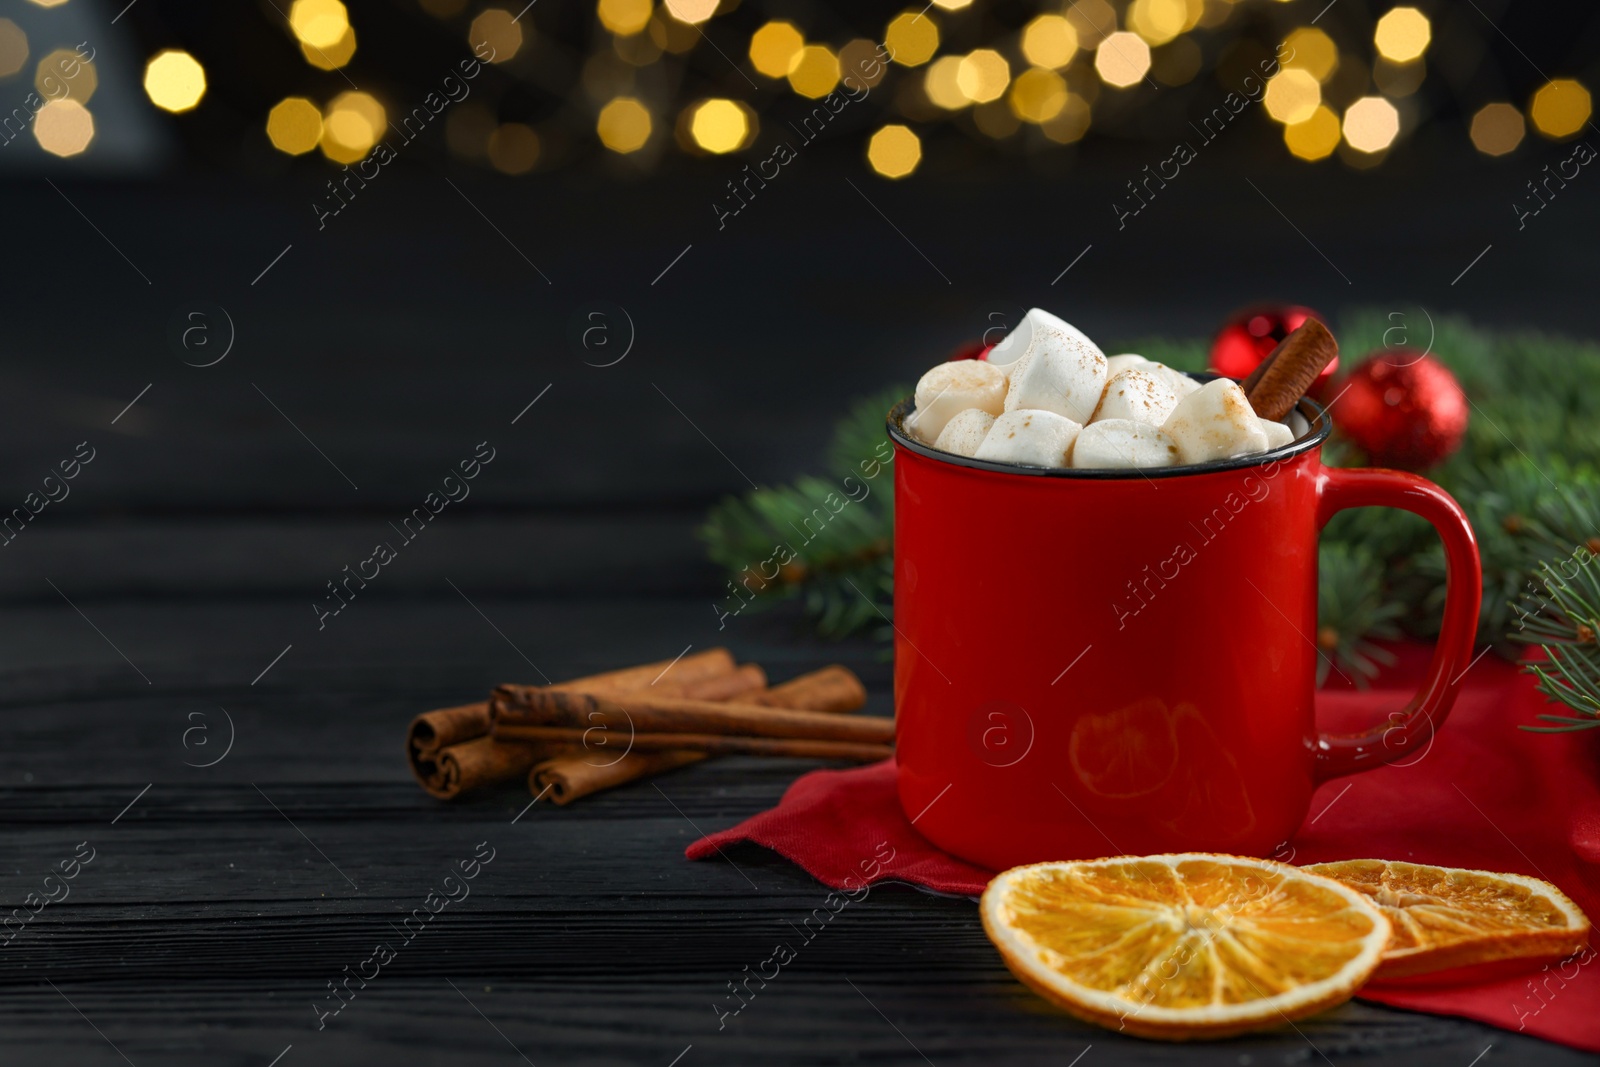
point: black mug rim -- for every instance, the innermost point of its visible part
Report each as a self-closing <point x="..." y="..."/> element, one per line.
<point x="1314" y="413"/>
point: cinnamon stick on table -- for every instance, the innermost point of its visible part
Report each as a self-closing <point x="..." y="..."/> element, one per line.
<point x="641" y="714"/>
<point x="666" y="677"/>
<point x="451" y="751"/>
<point x="456" y="769"/>
<point x="567" y="778"/>
<point x="716" y="744"/>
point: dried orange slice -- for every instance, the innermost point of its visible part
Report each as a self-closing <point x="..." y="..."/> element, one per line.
<point x="1183" y="946"/>
<point x="1450" y="919"/>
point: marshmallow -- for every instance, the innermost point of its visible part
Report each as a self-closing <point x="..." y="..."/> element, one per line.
<point x="1015" y="344"/>
<point x="965" y="432"/>
<point x="1277" y="433"/>
<point x="1179" y="382"/>
<point x="1121" y="444"/>
<point x="953" y="387"/>
<point x="1116" y="364"/>
<point x="1037" y="438"/>
<point x="1137" y="394"/>
<point x="1062" y="371"/>
<point x="1214" y="422"/>
<point x="1298" y="425"/>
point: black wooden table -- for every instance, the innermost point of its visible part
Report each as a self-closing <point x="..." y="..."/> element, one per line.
<point x="170" y="699"/>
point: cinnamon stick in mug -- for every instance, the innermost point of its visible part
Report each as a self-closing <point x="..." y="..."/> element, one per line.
<point x="570" y="778"/>
<point x="1290" y="370"/>
<point x="639" y="714"/>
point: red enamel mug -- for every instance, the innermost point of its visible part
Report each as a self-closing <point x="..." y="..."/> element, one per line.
<point x="1093" y="663"/>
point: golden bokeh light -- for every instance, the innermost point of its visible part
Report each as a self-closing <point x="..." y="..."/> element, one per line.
<point x="48" y="3"/>
<point x="1314" y="138"/>
<point x="352" y="125"/>
<point x="334" y="56"/>
<point x="1123" y="59"/>
<point x="894" y="151"/>
<point x="1497" y="129"/>
<point x="983" y="75"/>
<point x="996" y="120"/>
<point x="814" y="71"/>
<point x="63" y="127"/>
<point x="720" y="126"/>
<point x="1398" y="79"/>
<point x="693" y="12"/>
<point x="1070" y="123"/>
<point x="912" y="38"/>
<point x="624" y="17"/>
<point x="638" y="51"/>
<point x="174" y="80"/>
<point x="1158" y="21"/>
<point x="13" y="48"/>
<point x="497" y="28"/>
<point x="1561" y="108"/>
<point x="63" y="73"/>
<point x="1312" y="50"/>
<point x="861" y="63"/>
<point x="939" y="83"/>
<point x="294" y="125"/>
<point x="952" y="5"/>
<point x="1038" y="95"/>
<point x="624" y="125"/>
<point x="467" y="128"/>
<point x="1371" y="124"/>
<point x="673" y="36"/>
<point x="1213" y="15"/>
<point x="1292" y="96"/>
<point x="773" y="48"/>
<point x="1402" y="35"/>
<point x="1176" y="63"/>
<point x="513" y="148"/>
<point x="1049" y="41"/>
<point x="318" y="23"/>
<point x="1093" y="19"/>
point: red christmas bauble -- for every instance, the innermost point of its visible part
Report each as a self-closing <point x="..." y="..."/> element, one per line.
<point x="1403" y="408"/>
<point x="1250" y="336"/>
<point x="976" y="350"/>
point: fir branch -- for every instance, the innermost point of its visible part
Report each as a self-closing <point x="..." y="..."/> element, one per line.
<point x="827" y="540"/>
<point x="1521" y="518"/>
<point x="1560" y="611"/>
<point x="1352" y="609"/>
<point x="859" y="437"/>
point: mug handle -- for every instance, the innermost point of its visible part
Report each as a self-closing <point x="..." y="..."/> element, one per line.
<point x="1340" y="488"/>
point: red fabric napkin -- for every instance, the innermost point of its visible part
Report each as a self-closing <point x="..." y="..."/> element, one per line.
<point x="1485" y="795"/>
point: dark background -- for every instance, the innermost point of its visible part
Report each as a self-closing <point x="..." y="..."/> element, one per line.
<point x="416" y="325"/>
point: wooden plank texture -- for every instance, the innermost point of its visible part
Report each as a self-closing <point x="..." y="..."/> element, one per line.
<point x="174" y="588"/>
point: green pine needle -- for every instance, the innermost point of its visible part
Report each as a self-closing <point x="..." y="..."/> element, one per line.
<point x="828" y="541"/>
<point x="1352" y="609"/>
<point x="1560" y="611"/>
